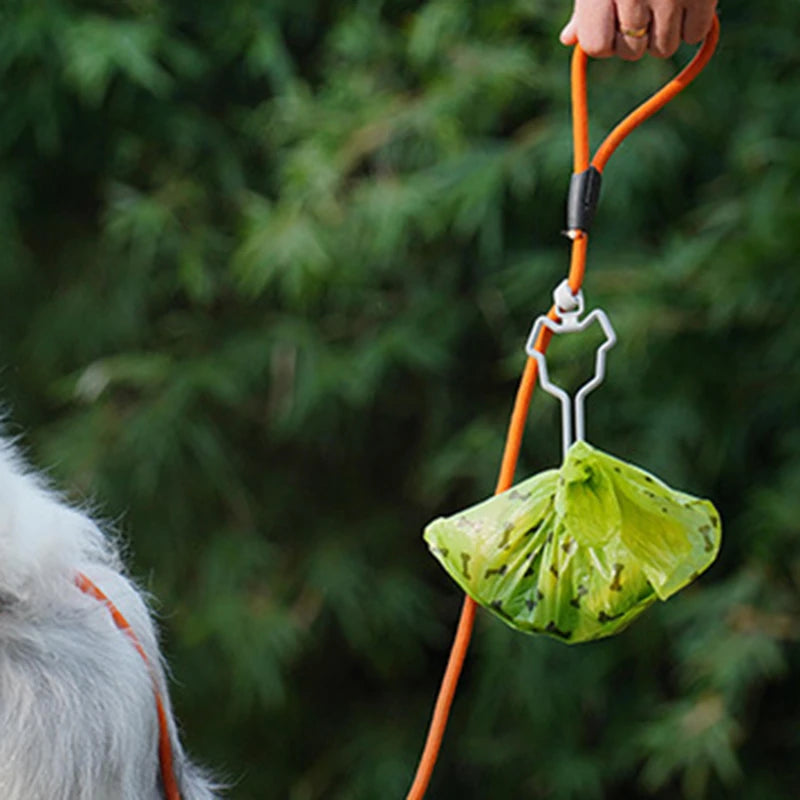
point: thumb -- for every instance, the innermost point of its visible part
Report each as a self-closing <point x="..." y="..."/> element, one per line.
<point x="569" y="35"/>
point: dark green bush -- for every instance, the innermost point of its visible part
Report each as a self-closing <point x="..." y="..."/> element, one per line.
<point x="267" y="269"/>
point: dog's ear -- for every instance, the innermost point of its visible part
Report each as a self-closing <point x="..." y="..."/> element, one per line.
<point x="43" y="540"/>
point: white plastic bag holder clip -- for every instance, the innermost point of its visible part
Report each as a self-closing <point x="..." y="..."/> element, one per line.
<point x="569" y="308"/>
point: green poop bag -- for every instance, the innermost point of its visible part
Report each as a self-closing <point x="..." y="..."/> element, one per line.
<point x="577" y="553"/>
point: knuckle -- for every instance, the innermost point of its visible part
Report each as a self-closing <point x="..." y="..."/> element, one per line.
<point x="630" y="50"/>
<point x="663" y="51"/>
<point x="629" y="55"/>
<point x="664" y="46"/>
<point x="596" y="40"/>
<point x="596" y="47"/>
<point x="597" y="52"/>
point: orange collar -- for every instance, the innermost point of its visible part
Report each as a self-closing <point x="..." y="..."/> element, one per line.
<point x="164" y="745"/>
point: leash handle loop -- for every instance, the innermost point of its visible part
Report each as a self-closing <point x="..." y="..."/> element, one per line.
<point x="585" y="185"/>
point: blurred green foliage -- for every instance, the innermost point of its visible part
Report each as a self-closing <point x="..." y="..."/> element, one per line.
<point x="267" y="269"/>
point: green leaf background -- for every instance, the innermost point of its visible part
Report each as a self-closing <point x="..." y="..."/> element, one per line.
<point x="267" y="271"/>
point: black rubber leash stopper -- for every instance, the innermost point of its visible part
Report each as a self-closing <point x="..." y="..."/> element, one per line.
<point x="584" y="192"/>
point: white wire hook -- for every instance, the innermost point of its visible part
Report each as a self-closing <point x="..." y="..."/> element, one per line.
<point x="569" y="307"/>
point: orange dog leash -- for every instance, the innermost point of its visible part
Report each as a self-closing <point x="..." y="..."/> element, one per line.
<point x="583" y="197"/>
<point x="164" y="747"/>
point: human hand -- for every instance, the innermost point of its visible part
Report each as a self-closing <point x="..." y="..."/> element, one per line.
<point x="629" y="28"/>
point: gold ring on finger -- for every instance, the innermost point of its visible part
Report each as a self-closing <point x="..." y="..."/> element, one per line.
<point x="635" y="33"/>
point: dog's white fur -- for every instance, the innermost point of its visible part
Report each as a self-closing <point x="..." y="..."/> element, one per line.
<point x="77" y="712"/>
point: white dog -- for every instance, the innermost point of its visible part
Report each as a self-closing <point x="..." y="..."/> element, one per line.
<point x="78" y="711"/>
